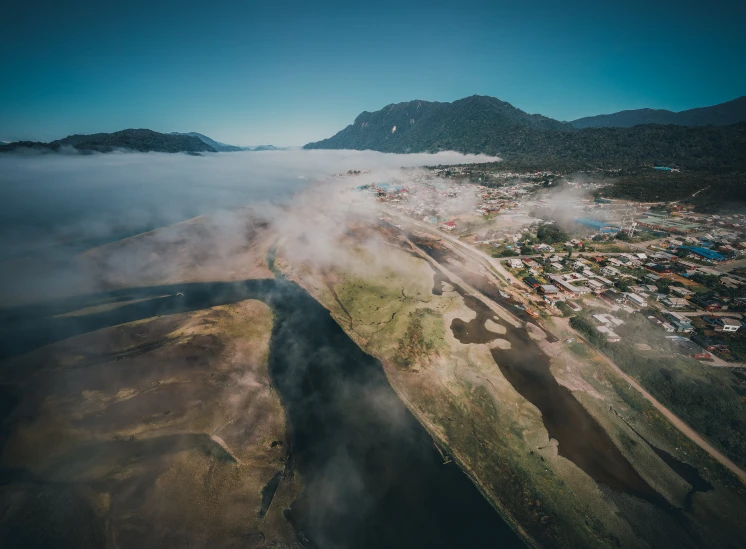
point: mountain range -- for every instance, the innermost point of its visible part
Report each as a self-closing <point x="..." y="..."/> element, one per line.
<point x="723" y="114"/>
<point x="480" y="124"/>
<point x="216" y="145"/>
<point x="140" y="140"/>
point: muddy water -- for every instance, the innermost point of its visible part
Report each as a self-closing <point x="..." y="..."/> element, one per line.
<point x="581" y="439"/>
<point x="372" y="476"/>
<point x="475" y="279"/>
<point x="684" y="470"/>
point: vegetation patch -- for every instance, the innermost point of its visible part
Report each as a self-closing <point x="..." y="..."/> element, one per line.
<point x="706" y="398"/>
<point x="424" y="334"/>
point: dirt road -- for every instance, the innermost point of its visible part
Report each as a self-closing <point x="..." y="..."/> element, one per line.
<point x="680" y="424"/>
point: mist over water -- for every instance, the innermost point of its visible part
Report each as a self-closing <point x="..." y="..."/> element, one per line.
<point x="54" y="206"/>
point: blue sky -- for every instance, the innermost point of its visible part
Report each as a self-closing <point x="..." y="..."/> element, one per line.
<point x="290" y="72"/>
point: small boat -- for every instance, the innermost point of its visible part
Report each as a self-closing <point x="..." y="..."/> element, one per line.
<point x="532" y="313"/>
<point x="520" y="307"/>
<point x="503" y="294"/>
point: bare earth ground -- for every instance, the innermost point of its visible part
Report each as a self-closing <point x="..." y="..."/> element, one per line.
<point x="156" y="433"/>
<point x="173" y="442"/>
<point x="166" y="447"/>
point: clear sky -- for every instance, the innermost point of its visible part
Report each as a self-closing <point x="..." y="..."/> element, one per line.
<point x="286" y="73"/>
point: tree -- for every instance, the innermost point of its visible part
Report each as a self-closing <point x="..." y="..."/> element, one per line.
<point x="622" y="285"/>
<point x="551" y="234"/>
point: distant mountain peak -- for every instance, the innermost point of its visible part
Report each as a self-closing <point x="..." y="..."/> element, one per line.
<point x="139" y="140"/>
<point x="217" y="145"/>
<point x="722" y="114"/>
<point x="483" y="124"/>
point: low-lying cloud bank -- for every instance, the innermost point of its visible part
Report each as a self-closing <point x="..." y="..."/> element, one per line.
<point x="53" y="207"/>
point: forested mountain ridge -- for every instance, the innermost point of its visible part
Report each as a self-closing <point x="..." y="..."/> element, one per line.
<point x="217" y="145"/>
<point x="487" y="125"/>
<point x="140" y="140"/>
<point x="723" y="114"/>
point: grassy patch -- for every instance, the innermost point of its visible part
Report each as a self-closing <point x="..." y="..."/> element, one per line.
<point x="579" y="349"/>
<point x="706" y="398"/>
<point x="424" y="333"/>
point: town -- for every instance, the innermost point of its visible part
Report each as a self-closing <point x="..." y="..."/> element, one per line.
<point x="623" y="270"/>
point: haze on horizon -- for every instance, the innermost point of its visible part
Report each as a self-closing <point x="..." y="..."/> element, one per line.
<point x="291" y="72"/>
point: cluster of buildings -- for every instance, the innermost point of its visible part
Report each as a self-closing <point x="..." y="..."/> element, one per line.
<point x="427" y="197"/>
<point x="556" y="279"/>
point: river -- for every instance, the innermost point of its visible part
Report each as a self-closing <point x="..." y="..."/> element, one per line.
<point x="373" y="477"/>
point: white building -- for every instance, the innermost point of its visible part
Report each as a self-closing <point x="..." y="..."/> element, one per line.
<point x="674" y="302"/>
<point x="608" y="319"/>
<point x="610" y="271"/>
<point x="636" y="299"/>
<point x="611" y="336"/>
<point x="724" y="324"/>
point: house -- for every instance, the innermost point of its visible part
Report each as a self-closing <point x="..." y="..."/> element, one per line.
<point x="532" y="282"/>
<point x="636" y="299"/>
<point x="530" y="263"/>
<point x="687" y="267"/>
<point x="548" y="289"/>
<point x="567" y="287"/>
<point x="725" y="324"/>
<point x="612" y="296"/>
<point x="658" y="268"/>
<point x="686" y="346"/>
<point x="683" y="292"/>
<point x="594" y="285"/>
<point x="608" y="319"/>
<point x="552" y="299"/>
<point x="449" y="226"/>
<point x="708" y="343"/>
<point x="664" y="257"/>
<point x="515" y="263"/>
<point x="610" y="271"/>
<point x="611" y="336"/>
<point x="708" y="304"/>
<point x="674" y="302"/>
<point x="605" y="280"/>
<point x="652" y="277"/>
<point x="679" y="322"/>
<point x="704" y="253"/>
<point x="556" y="266"/>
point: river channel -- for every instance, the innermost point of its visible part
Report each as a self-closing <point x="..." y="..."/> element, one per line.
<point x="372" y="475"/>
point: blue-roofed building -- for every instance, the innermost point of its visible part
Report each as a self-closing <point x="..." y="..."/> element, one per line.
<point x="662" y="168"/>
<point x="389" y="187"/>
<point x="600" y="226"/>
<point x="704" y="252"/>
